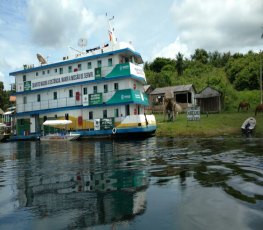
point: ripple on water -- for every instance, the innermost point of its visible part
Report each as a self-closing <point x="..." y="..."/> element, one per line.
<point x="98" y="184"/>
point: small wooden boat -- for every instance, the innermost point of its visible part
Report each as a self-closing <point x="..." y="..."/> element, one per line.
<point x="249" y="125"/>
<point x="61" y="136"/>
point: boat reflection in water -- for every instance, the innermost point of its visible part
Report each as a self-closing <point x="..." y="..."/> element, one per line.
<point x="84" y="186"/>
<point x="204" y="183"/>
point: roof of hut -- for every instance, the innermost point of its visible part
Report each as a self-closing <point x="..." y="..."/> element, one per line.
<point x="208" y="92"/>
<point x="173" y="89"/>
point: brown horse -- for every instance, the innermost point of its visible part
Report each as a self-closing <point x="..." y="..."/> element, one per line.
<point x="243" y="105"/>
<point x="259" y="108"/>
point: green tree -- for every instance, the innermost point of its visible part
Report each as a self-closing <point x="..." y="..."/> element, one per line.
<point x="159" y="63"/>
<point x="179" y="64"/>
<point x="243" y="71"/>
<point x="200" y="55"/>
<point x="4" y="97"/>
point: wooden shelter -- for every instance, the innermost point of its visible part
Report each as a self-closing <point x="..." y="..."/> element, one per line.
<point x="209" y="100"/>
<point x="183" y="94"/>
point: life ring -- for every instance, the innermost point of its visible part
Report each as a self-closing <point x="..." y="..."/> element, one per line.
<point x="114" y="130"/>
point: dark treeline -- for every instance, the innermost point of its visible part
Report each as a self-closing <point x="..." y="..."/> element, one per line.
<point x="206" y="68"/>
<point x="4" y="97"/>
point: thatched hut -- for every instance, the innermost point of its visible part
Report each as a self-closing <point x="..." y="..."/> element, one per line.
<point x="209" y="100"/>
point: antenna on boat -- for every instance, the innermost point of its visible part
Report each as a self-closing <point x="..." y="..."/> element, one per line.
<point x="41" y="59"/>
<point x="82" y="42"/>
<point x="111" y="30"/>
<point x="75" y="49"/>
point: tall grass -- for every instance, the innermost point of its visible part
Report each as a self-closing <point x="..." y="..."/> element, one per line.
<point x="222" y="124"/>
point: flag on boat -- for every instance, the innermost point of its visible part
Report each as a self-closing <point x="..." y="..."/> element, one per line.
<point x="110" y="35"/>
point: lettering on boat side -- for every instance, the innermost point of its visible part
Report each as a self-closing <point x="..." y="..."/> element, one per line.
<point x="63" y="79"/>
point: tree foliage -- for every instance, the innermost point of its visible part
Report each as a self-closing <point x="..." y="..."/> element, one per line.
<point x="226" y="72"/>
<point x="4" y="97"/>
<point x="240" y="70"/>
<point x="243" y="71"/>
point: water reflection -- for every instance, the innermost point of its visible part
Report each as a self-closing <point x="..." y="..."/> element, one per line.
<point x="93" y="179"/>
<point x="105" y="183"/>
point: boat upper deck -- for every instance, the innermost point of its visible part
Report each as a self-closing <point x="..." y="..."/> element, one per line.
<point x="121" y="48"/>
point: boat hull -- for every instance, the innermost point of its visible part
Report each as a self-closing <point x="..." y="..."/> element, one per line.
<point x="52" y="137"/>
<point x="249" y="125"/>
<point x="126" y="133"/>
<point x="133" y="126"/>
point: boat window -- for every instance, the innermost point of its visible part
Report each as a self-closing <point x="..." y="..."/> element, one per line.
<point x="90" y="115"/>
<point x="99" y="63"/>
<point x="36" y="73"/>
<point x="55" y="95"/>
<point x="89" y="65"/>
<point x="105" y="88"/>
<point x="71" y="93"/>
<point x="56" y="70"/>
<point x="48" y="71"/>
<point x="116" y="86"/>
<point x="105" y="113"/>
<point x="24" y="100"/>
<point x="79" y="67"/>
<point x="70" y="69"/>
<point x="43" y="72"/>
<point x="85" y="91"/>
<point x="24" y="77"/>
<point x="95" y="89"/>
<point x="127" y="110"/>
<point x="60" y="70"/>
<point x="38" y="98"/>
<point x="116" y="112"/>
<point x="110" y="62"/>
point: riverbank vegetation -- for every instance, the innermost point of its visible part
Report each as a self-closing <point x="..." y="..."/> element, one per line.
<point x="236" y="76"/>
<point x="4" y="97"/>
<point x="211" y="125"/>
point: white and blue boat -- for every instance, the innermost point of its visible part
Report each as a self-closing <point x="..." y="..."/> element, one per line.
<point x="99" y="89"/>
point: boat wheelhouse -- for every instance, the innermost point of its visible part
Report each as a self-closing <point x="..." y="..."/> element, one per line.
<point x="100" y="90"/>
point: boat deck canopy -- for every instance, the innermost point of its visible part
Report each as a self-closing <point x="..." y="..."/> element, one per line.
<point x="57" y="122"/>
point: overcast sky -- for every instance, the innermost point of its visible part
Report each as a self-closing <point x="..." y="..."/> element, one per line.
<point x="156" y="28"/>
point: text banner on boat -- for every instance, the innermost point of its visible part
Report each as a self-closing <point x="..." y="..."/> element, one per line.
<point x="57" y="80"/>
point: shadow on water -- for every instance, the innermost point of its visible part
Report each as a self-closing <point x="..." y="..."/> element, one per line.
<point x="105" y="183"/>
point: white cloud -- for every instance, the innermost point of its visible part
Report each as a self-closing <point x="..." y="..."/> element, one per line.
<point x="156" y="28"/>
<point x="223" y="25"/>
<point x="57" y="22"/>
<point x="172" y="50"/>
<point x="2" y="77"/>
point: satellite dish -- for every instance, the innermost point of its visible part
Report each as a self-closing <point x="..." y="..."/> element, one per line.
<point x="82" y="42"/>
<point x="41" y="59"/>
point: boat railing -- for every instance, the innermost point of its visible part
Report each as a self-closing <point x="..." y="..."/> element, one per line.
<point x="57" y="103"/>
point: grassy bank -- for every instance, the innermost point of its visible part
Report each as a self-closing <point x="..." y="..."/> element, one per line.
<point x="223" y="124"/>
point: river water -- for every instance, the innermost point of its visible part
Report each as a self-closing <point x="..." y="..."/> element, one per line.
<point x="157" y="183"/>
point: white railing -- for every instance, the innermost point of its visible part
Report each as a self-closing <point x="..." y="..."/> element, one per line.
<point x="59" y="103"/>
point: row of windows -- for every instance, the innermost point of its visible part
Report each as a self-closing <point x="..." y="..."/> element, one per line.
<point x="105" y="89"/>
<point x="85" y="92"/>
<point x="79" y="68"/>
<point x="104" y="114"/>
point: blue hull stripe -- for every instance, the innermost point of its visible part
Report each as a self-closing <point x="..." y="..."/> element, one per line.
<point x="86" y="133"/>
